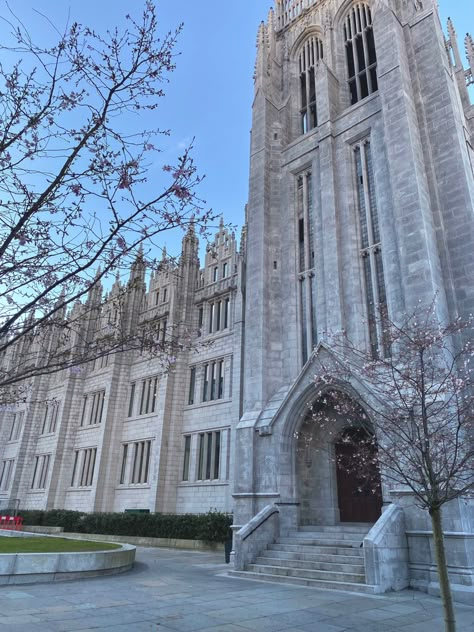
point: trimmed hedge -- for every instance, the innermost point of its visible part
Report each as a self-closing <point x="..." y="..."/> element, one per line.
<point x="213" y="526"/>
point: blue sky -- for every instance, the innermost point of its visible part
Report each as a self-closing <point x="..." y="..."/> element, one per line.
<point x="211" y="92"/>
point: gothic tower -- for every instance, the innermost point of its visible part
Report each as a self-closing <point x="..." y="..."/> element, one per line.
<point x="361" y="203"/>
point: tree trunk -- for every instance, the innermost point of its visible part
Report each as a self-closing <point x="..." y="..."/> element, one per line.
<point x="441" y="563"/>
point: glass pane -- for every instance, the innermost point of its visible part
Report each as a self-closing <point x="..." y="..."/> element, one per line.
<point x="364" y="88"/>
<point x="353" y="91"/>
<point x="374" y="80"/>
<point x="360" y="52"/>
<point x="371" y="46"/>
<point x="350" y="60"/>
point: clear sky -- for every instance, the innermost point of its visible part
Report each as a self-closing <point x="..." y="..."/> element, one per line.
<point x="211" y="92"/>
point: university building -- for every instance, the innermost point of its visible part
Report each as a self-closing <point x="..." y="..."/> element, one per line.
<point x="361" y="202"/>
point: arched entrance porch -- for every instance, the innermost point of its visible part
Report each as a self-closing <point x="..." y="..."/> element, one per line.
<point x="332" y="484"/>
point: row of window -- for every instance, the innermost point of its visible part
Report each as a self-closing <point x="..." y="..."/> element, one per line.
<point x="84" y="467"/>
<point x="371" y="254"/>
<point x="212" y="382"/>
<point x="6" y="469"/>
<point x="50" y="418"/>
<point x="148" y="390"/>
<point x="208" y="465"/>
<point x="92" y="409"/>
<point x="135" y="467"/>
<point x="224" y="272"/>
<point x="361" y="62"/>
<point x="17" y="423"/>
<point x="40" y="471"/>
<point x="163" y="295"/>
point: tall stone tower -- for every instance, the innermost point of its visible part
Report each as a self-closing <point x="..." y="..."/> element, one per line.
<point x="361" y="203"/>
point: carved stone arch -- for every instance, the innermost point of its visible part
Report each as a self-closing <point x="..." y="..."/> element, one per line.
<point x="314" y="31"/>
<point x="341" y="13"/>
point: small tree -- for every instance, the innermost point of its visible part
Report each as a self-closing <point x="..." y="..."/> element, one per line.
<point x="74" y="164"/>
<point x="416" y="406"/>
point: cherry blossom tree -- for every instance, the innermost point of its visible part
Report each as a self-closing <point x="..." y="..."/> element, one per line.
<point x="415" y="408"/>
<point x="75" y="171"/>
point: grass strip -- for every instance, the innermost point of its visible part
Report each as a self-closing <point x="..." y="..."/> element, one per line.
<point x="51" y="545"/>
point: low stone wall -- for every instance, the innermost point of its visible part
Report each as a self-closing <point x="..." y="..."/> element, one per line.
<point x="25" y="568"/>
<point x="169" y="543"/>
<point x="255" y="536"/>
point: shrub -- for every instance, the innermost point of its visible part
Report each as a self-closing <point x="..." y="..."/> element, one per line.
<point x="213" y="526"/>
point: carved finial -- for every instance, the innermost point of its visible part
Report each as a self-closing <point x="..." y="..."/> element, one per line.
<point x="451" y="30"/>
<point x="469" y="43"/>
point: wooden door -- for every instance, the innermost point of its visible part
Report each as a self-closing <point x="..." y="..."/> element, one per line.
<point x="359" y="494"/>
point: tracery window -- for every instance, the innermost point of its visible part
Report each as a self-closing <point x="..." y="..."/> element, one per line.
<point x="371" y="252"/>
<point x="310" y="55"/>
<point x="360" y="52"/>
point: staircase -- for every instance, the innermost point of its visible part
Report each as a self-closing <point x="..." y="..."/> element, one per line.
<point x="321" y="557"/>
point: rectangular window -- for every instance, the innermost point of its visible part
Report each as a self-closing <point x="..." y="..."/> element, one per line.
<point x="83" y="413"/>
<point x="226" y="313"/>
<point x="209" y="455"/>
<point x="17" y="423"/>
<point x="213" y="381"/>
<point x="45" y="419"/>
<point x="225" y="270"/>
<point x="205" y="381"/>
<point x="187" y="456"/>
<point x="165" y="295"/>
<point x="157" y="297"/>
<point x="124" y="464"/>
<point x="84" y="467"/>
<point x="200" y="319"/>
<point x="192" y="386"/>
<point x="211" y="317"/>
<point x="140" y="463"/>
<point x="97" y="408"/>
<point x="215" y="274"/>
<point x="40" y="471"/>
<point x="131" y="400"/>
<point x="218" y="316"/>
<point x="53" y="420"/>
<point x="220" y="379"/>
<point x="6" y="470"/>
<point x="149" y="395"/>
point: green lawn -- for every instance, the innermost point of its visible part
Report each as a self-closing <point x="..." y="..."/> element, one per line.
<point x="51" y="545"/>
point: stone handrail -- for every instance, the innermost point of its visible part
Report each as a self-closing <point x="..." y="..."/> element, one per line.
<point x="386" y="551"/>
<point x="262" y="530"/>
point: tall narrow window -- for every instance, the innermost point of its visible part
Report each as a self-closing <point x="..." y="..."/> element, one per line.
<point x="15" y="429"/>
<point x="371" y="252"/>
<point x="6" y="469"/>
<point x="218" y="315"/>
<point x="213" y="381"/>
<point x="205" y="382"/>
<point x="306" y="258"/>
<point x="97" y="408"/>
<point x="124" y="464"/>
<point x="310" y="55"/>
<point x="226" y="313"/>
<point x="187" y="456"/>
<point x="200" y="319"/>
<point x="220" y="379"/>
<point x="211" y="317"/>
<point x="131" y="400"/>
<point x="149" y="396"/>
<point x="225" y="270"/>
<point x="40" y="471"/>
<point x="83" y="410"/>
<point x="192" y="385"/>
<point x="360" y="52"/>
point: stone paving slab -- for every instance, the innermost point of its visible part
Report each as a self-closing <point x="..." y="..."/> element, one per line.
<point x="188" y="591"/>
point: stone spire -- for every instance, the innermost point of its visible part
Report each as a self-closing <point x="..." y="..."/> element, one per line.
<point x="453" y="44"/>
<point x="469" y="43"/>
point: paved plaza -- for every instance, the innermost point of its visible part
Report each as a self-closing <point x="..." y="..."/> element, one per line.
<point x="170" y="591"/>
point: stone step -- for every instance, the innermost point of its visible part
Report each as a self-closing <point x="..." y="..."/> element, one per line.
<point x="310" y="583"/>
<point x="324" y="535"/>
<point x="356" y="527"/>
<point x="314" y="549"/>
<point x="355" y="569"/>
<point x="351" y="578"/>
<point x="314" y="557"/>
<point x="338" y="542"/>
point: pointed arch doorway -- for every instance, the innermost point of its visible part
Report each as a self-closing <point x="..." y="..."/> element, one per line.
<point x="331" y="488"/>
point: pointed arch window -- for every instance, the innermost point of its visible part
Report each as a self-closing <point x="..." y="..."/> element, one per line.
<point x="310" y="54"/>
<point x="360" y="52"/>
